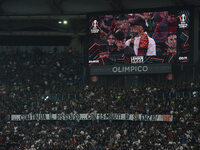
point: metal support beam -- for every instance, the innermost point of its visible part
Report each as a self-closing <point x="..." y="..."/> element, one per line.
<point x="39" y="33"/>
<point x="116" y="5"/>
<point x="196" y="36"/>
<point x="1" y="10"/>
<point x="55" y="6"/>
<point x="186" y="2"/>
<point x="43" y="17"/>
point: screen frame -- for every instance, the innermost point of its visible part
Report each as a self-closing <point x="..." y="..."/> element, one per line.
<point x="142" y="10"/>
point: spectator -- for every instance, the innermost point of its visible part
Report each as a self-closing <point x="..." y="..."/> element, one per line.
<point x="34" y="83"/>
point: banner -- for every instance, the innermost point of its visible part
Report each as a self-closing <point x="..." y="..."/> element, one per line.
<point x="130" y="69"/>
<point x="92" y="116"/>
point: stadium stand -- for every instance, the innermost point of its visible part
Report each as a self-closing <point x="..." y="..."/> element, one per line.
<point x="33" y="83"/>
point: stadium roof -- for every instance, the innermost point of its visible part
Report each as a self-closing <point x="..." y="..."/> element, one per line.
<point x="71" y="7"/>
<point x="25" y="17"/>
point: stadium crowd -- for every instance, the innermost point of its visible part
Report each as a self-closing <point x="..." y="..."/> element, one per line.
<point x="122" y="37"/>
<point x="43" y="82"/>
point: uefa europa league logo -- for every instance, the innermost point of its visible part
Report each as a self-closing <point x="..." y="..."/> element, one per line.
<point x="95" y="27"/>
<point x="182" y="18"/>
<point x="183" y="23"/>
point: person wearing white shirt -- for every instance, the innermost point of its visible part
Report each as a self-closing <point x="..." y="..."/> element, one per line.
<point x="140" y="41"/>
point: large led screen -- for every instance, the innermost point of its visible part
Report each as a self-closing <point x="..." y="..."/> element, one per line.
<point x="139" y="38"/>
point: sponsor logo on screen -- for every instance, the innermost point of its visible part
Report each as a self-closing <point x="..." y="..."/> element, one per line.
<point x="183" y="58"/>
<point x="137" y="59"/>
<point x="93" y="61"/>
